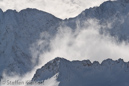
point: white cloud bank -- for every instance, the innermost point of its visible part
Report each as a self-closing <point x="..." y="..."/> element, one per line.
<point x="84" y="43"/>
<point x="60" y="8"/>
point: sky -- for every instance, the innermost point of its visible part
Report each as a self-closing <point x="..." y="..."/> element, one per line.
<point x="60" y="8"/>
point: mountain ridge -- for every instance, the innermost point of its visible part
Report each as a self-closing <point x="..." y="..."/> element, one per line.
<point x="82" y="72"/>
<point x="17" y="32"/>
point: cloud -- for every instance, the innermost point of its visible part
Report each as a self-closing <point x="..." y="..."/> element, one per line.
<point x="85" y="43"/>
<point x="60" y="8"/>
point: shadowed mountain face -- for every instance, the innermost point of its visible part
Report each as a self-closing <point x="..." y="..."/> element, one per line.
<point x="75" y="73"/>
<point x="114" y="15"/>
<point x="20" y="30"/>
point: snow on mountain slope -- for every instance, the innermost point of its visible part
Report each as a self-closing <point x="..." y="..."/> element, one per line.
<point x="114" y="15"/>
<point x="85" y="73"/>
<point x="18" y="30"/>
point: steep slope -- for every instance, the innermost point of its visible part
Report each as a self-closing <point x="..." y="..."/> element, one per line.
<point x="85" y="73"/>
<point x="18" y="31"/>
<point x="114" y="15"/>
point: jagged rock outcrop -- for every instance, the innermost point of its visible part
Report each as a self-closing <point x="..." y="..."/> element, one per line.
<point x="85" y="73"/>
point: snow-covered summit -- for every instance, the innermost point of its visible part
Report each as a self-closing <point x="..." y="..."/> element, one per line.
<point x="83" y="73"/>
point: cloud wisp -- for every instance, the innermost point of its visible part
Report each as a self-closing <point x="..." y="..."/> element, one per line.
<point x="84" y="43"/>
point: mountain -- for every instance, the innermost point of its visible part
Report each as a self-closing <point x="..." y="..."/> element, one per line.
<point x="85" y="73"/>
<point x="18" y="31"/>
<point x="114" y="15"/>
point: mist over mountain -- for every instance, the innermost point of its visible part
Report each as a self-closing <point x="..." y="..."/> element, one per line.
<point x="111" y="14"/>
<point x="31" y="38"/>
